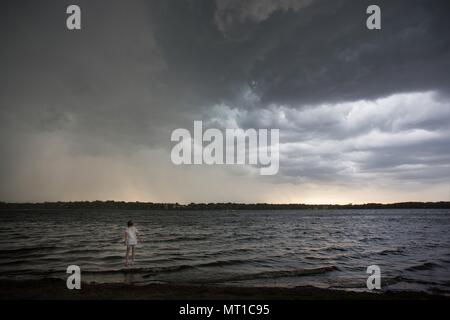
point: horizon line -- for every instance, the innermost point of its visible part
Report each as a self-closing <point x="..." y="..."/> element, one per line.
<point x="216" y="203"/>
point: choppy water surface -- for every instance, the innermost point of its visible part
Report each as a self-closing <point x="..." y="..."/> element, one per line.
<point x="324" y="248"/>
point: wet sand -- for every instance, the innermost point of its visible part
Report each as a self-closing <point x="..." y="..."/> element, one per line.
<point x="51" y="289"/>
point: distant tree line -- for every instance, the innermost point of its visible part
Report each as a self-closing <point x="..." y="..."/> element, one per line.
<point x="215" y="206"/>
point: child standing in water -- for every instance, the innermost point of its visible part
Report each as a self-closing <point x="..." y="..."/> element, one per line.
<point x="131" y="238"/>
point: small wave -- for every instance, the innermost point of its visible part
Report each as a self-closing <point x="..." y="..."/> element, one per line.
<point x="370" y="239"/>
<point x="176" y="268"/>
<point x="181" y="238"/>
<point x="337" y="249"/>
<point x="279" y="274"/>
<point x="330" y="249"/>
<point x="423" y="266"/>
<point x="147" y="271"/>
<point x="109" y="258"/>
<point x="316" y="258"/>
<point x="399" y="279"/>
<point x="390" y="251"/>
<point x="228" y="252"/>
<point x="220" y="263"/>
<point x="25" y="250"/>
<point x="13" y="262"/>
<point x="77" y="251"/>
<point x="27" y="272"/>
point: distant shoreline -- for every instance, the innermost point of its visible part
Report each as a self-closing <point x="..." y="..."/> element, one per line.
<point x="51" y="289"/>
<point x="215" y="206"/>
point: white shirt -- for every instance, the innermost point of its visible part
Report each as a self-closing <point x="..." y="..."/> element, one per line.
<point x="131" y="237"/>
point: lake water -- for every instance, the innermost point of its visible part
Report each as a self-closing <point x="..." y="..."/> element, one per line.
<point x="323" y="248"/>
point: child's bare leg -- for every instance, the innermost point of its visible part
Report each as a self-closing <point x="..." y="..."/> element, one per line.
<point x="126" y="256"/>
<point x="132" y="254"/>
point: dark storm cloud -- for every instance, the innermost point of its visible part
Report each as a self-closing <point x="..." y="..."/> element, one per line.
<point x="321" y="52"/>
<point x="170" y="59"/>
<point x="139" y="69"/>
<point x="335" y="59"/>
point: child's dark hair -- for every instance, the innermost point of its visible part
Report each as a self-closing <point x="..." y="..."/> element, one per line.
<point x="130" y="223"/>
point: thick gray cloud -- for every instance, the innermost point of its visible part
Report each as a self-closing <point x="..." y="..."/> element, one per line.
<point x="397" y="137"/>
<point x="320" y="53"/>
<point x="97" y="106"/>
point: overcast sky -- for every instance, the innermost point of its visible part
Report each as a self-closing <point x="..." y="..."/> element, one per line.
<point x="363" y="115"/>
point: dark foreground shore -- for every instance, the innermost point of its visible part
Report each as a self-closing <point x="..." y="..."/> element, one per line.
<point x="56" y="289"/>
